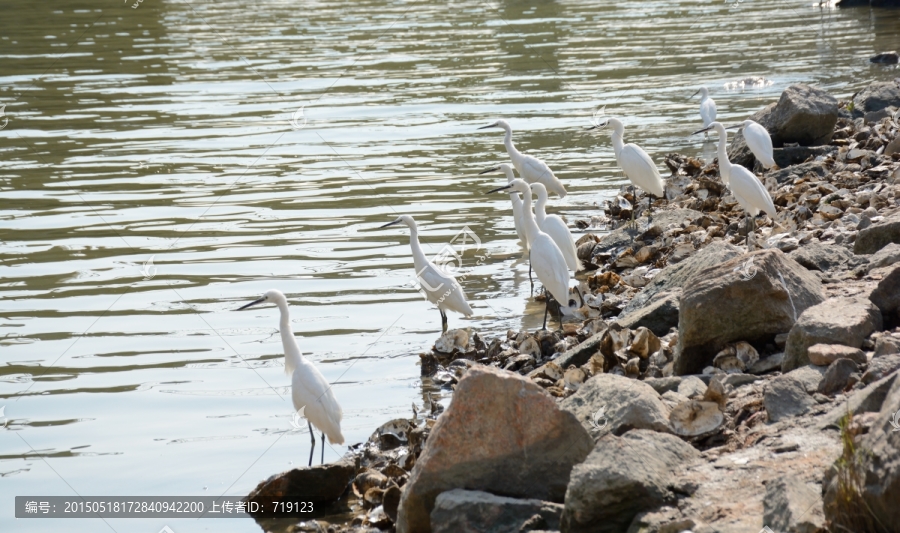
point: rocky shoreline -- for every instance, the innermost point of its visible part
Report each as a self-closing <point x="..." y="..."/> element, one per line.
<point x="716" y="381"/>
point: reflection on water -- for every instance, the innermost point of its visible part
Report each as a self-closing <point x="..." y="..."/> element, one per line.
<point x="169" y="132"/>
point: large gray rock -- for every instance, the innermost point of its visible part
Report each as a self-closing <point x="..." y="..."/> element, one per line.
<point x="877" y="236"/>
<point x="886" y="345"/>
<point x="825" y="354"/>
<point x="317" y="484"/>
<point x="576" y="355"/>
<point x="846" y="321"/>
<point x="886" y="295"/>
<point x="663" y="520"/>
<point x="622" y="477"/>
<point x="725" y="303"/>
<point x="675" y="276"/>
<point x="865" y="400"/>
<point x="502" y="434"/>
<point x="877" y="96"/>
<point x="823" y="257"/>
<point x="625" y="403"/>
<point x="878" y="472"/>
<point x="793" y="506"/>
<point x="623" y="236"/>
<point x="659" y="315"/>
<point x="786" y="397"/>
<point x="837" y="376"/>
<point x="887" y="256"/>
<point x="474" y="511"/>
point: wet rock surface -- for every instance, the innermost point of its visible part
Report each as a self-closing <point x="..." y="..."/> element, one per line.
<point x="475" y="511"/>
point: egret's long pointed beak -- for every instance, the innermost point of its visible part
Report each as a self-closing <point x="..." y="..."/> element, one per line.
<point x="696" y="93"/>
<point x="595" y="126"/>
<point x="488" y="126"/>
<point x="701" y="131"/>
<point x="736" y="126"/>
<point x="391" y="223"/>
<point x="254" y="302"/>
<point x="498" y="189"/>
<point x="488" y="170"/>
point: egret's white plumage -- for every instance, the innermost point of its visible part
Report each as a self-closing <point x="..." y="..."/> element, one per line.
<point x="750" y="193"/>
<point x="759" y="142"/>
<point x="707" y="107"/>
<point x="554" y="226"/>
<point x="440" y="288"/>
<point x="309" y="389"/>
<point x="530" y="168"/>
<point x="516" y="203"/>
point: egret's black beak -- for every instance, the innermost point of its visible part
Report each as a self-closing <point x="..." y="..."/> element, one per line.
<point x="701" y="131"/>
<point x="390" y="223"/>
<point x="736" y="126"/>
<point x="488" y="126"/>
<point x="488" y="170"/>
<point x="498" y="189"/>
<point x="261" y="300"/>
<point x="595" y="126"/>
<point x="696" y="93"/>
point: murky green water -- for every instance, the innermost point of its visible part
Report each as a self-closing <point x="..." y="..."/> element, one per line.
<point x="163" y="130"/>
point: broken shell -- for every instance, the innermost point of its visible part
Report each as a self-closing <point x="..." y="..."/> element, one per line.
<point x="368" y="479"/>
<point x="574" y="377"/>
<point x="553" y="371"/>
<point x="644" y="343"/>
<point x="694" y="418"/>
<point x="715" y="392"/>
<point x="531" y="347"/>
<point x="453" y="340"/>
<point x="727" y="361"/>
<point x="746" y="353"/>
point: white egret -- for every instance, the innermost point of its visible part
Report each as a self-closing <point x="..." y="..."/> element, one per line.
<point x="440" y="288"/>
<point x="554" y="226"/>
<point x="758" y="141"/>
<point x="516" y="200"/>
<point x="309" y="390"/>
<point x="635" y="163"/>
<point x="707" y="107"/>
<point x="750" y="193"/>
<point x="545" y="256"/>
<point x="530" y="168"/>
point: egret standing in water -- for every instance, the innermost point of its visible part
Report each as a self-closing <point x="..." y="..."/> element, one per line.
<point x="750" y="193"/>
<point x="635" y="163"/>
<point x="530" y="168"/>
<point x="707" y="107"/>
<point x="516" y="200"/>
<point x="545" y="256"/>
<point x="309" y="390"/>
<point x="758" y="141"/>
<point x="440" y="288"/>
<point x="554" y="226"/>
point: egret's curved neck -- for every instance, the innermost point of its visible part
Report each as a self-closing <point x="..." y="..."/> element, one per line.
<point x="292" y="356"/>
<point x="540" y="212"/>
<point x="418" y="255"/>
<point x="724" y="163"/>
<point x="618" y="141"/>
<point x="514" y="154"/>
<point x="531" y="227"/>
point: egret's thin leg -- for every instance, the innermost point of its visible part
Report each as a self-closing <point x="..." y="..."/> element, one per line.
<point x="546" y="309"/>
<point x="649" y="206"/>
<point x="312" y="439"/>
<point x="443" y="320"/>
<point x="531" y="279"/>
<point x="323" y="447"/>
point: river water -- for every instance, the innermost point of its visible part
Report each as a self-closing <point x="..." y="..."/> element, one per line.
<point x="170" y="132"/>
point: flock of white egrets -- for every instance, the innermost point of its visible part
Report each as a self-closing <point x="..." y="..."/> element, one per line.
<point x="546" y="238"/>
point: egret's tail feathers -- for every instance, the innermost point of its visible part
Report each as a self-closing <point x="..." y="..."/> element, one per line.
<point x="335" y="437"/>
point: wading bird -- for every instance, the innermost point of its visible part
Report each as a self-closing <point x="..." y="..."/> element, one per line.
<point x="309" y="390"/>
<point x="516" y="202"/>
<point x="750" y="193"/>
<point x="758" y="141"/>
<point x="707" y="107"/>
<point x="635" y="163"/>
<point x="531" y="169"/>
<point x="554" y="226"/>
<point x="440" y="288"/>
<point x="545" y="256"/>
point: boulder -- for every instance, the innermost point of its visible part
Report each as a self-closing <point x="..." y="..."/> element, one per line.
<point x="837" y="376"/>
<point x="482" y="512"/>
<point x="659" y="315"/>
<point x="785" y="397"/>
<point x="675" y="276"/>
<point x="576" y="355"/>
<point x="623" y="404"/>
<point x="866" y="400"/>
<point x="622" y="477"/>
<point x="692" y="387"/>
<point x="793" y="506"/>
<point x="724" y="304"/>
<point x="804" y="115"/>
<point x="846" y="321"/>
<point x="664" y="520"/>
<point x="875" y="237"/>
<point x="874" y="476"/>
<point x="880" y="367"/>
<point x="887" y="256"/>
<point x="663" y="385"/>
<point x="886" y="295"/>
<point x="502" y="434"/>
<point x="623" y="236"/>
<point x="825" y="354"/>
<point x="317" y="484"/>
<point x="886" y="345"/>
<point x="877" y="96"/>
<point x="822" y="257"/>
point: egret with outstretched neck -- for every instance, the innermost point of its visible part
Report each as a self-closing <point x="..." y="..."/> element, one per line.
<point x="309" y="390"/>
<point x="707" y="107"/>
<point x="440" y="288"/>
<point x="750" y="193"/>
<point x="554" y="226"/>
<point x="531" y="169"/>
<point x="545" y="256"/>
<point x="636" y="164"/>
<point x="516" y="200"/>
<point x="758" y="141"/>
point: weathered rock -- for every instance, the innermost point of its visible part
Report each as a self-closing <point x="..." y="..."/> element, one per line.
<point x="846" y="321"/>
<point x="866" y="400"/>
<point x="692" y="387"/>
<point x="886" y="295"/>
<point x="318" y="484"/>
<point x="877" y="236"/>
<point x="805" y="115"/>
<point x="623" y="236"/>
<point x="792" y="506"/>
<point x="878" y="472"/>
<point x="823" y="257"/>
<point x="877" y="96"/>
<point x="662" y="385"/>
<point x="675" y="276"/>
<point x="659" y="315"/>
<point x="785" y="397"/>
<point x="887" y="256"/>
<point x="886" y="345"/>
<point x="746" y="308"/>
<point x="501" y="434"/>
<point x="825" y="354"/>
<point x="482" y="512"/>
<point x="809" y="376"/>
<point x="664" y="520"/>
<point x="887" y="58"/>
<point x="837" y="376"/>
<point x="767" y="364"/>
<point x="626" y="403"/>
<point x="694" y="418"/>
<point x="622" y="477"/>
<point x="880" y="367"/>
<point x="577" y="355"/>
